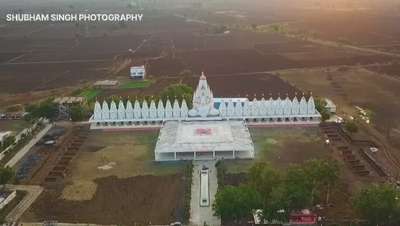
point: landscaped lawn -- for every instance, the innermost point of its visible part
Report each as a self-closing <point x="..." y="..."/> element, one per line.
<point x="90" y="93"/>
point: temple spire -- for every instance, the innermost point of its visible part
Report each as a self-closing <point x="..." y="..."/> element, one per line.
<point x="203" y="100"/>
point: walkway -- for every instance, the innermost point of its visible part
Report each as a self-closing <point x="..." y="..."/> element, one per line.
<point x="21" y="153"/>
<point x="33" y="193"/>
<point x="199" y="215"/>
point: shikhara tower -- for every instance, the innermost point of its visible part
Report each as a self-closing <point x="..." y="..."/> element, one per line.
<point x="257" y="111"/>
<point x="203" y="100"/>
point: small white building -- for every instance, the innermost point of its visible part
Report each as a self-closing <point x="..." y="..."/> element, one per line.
<point x="330" y="105"/>
<point x="138" y="72"/>
<point x="4" y="135"/>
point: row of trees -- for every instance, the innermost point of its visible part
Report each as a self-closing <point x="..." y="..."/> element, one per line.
<point x="6" y="175"/>
<point x="320" y="105"/>
<point x="379" y="204"/>
<point x="47" y="109"/>
<point x="278" y="193"/>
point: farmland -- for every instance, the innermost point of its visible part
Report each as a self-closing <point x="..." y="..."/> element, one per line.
<point x="349" y="56"/>
<point x="120" y="163"/>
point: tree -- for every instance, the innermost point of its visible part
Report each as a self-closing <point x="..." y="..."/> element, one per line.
<point x="179" y="91"/>
<point x="46" y="109"/>
<point x="78" y="113"/>
<point x="320" y="105"/>
<point x="277" y="206"/>
<point x="379" y="204"/>
<point x="323" y="175"/>
<point x="299" y="188"/>
<point x="6" y="174"/>
<point x="263" y="178"/>
<point x="236" y="202"/>
<point x="351" y="126"/>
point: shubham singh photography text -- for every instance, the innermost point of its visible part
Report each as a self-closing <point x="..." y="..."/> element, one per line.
<point x="93" y="17"/>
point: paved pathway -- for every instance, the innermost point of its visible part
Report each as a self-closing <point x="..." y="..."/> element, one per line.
<point x="199" y="215"/>
<point x="33" y="192"/>
<point x="21" y="153"/>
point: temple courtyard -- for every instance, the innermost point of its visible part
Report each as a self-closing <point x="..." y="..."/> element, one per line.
<point x="122" y="162"/>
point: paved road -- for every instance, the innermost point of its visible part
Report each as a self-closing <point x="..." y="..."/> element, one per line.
<point x="199" y="215"/>
<point x="33" y="192"/>
<point x="21" y="153"/>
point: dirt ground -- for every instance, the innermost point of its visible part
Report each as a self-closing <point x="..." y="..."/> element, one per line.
<point x="140" y="200"/>
<point x="282" y="146"/>
<point x="122" y="154"/>
<point x="13" y="125"/>
<point x="121" y="164"/>
<point x="355" y="86"/>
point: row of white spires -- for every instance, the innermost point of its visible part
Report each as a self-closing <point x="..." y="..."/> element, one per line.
<point x="270" y="108"/>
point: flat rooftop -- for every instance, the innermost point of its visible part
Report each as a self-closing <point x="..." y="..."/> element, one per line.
<point x="200" y="137"/>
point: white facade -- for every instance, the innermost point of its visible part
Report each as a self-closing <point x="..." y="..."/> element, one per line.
<point x="258" y="111"/>
<point x="138" y="72"/>
<point x="204" y="140"/>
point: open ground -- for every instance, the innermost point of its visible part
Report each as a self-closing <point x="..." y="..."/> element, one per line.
<point x="115" y="170"/>
<point x="121" y="164"/>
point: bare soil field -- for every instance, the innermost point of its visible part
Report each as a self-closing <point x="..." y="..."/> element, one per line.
<point x="356" y="86"/>
<point x="359" y="28"/>
<point x="139" y="200"/>
<point x="222" y="86"/>
<point x="37" y="77"/>
<point x="237" y="85"/>
<point x="121" y="164"/>
<point x="388" y="69"/>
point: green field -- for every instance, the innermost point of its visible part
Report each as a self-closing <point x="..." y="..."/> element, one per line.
<point x="136" y="84"/>
<point x="282" y="147"/>
<point x="90" y="93"/>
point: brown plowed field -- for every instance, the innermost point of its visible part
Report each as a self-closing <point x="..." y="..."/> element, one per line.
<point x="36" y="77"/>
<point x="222" y="85"/>
<point x="238" y="85"/>
<point x="140" y="200"/>
<point x="360" y="28"/>
<point x="390" y="69"/>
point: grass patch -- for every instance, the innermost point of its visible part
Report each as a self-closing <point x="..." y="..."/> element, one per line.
<point x="90" y="93"/>
<point x="14" y="125"/>
<point x="136" y="84"/>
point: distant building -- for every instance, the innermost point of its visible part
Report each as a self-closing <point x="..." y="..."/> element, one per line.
<point x="69" y="100"/>
<point x="138" y="72"/>
<point x="106" y="83"/>
<point x="3" y="136"/>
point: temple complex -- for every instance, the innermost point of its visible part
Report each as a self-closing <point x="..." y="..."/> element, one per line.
<point x="214" y="128"/>
<point x="256" y="111"/>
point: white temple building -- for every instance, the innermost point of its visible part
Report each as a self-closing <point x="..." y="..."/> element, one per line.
<point x="256" y="111"/>
<point x="214" y="128"/>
